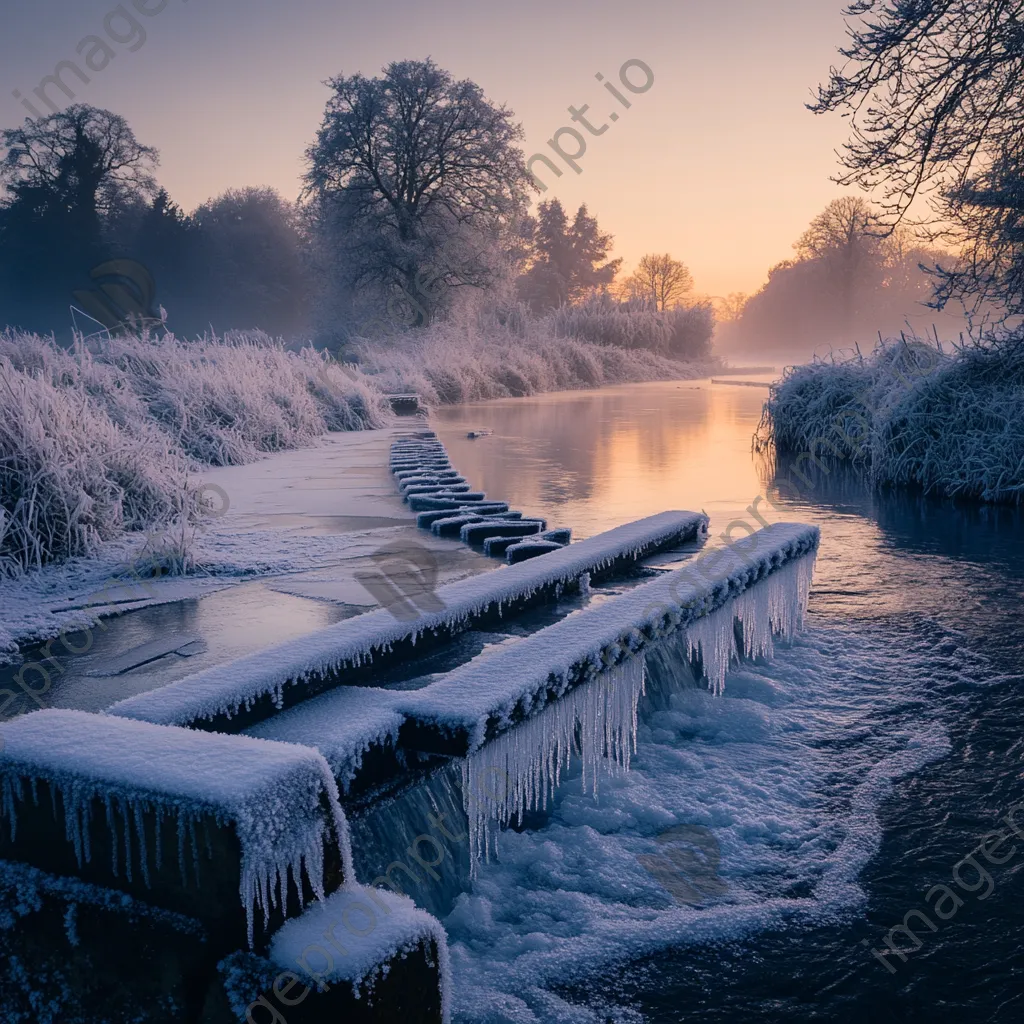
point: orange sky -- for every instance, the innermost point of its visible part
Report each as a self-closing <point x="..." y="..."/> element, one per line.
<point x="718" y="163"/>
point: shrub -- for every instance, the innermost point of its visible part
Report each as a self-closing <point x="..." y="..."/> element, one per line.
<point x="951" y="425"/>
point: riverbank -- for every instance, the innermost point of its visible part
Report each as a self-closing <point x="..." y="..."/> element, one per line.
<point x="136" y="459"/>
<point x="908" y="415"/>
<point x="298" y="527"/>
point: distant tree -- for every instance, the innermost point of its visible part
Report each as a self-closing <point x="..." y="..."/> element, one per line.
<point x="249" y="248"/>
<point x="846" y="239"/>
<point x="425" y="172"/>
<point x="570" y="260"/>
<point x="65" y="177"/>
<point x="660" y="280"/>
<point x="933" y="89"/>
<point x="729" y="308"/>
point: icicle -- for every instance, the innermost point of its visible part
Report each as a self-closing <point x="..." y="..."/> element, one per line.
<point x="776" y="606"/>
<point x="521" y="769"/>
<point x="140" y="831"/>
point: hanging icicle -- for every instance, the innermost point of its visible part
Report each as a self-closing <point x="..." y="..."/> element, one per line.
<point x="521" y="769"/>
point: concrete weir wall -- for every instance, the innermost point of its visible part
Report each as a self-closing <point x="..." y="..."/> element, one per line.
<point x="186" y="856"/>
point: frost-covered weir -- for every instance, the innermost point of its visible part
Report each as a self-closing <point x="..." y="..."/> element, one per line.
<point x="597" y="721"/>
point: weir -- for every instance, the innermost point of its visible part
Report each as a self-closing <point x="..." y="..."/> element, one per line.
<point x="281" y="821"/>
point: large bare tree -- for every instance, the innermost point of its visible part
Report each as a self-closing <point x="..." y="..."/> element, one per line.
<point x="423" y="173"/>
<point x="83" y="159"/>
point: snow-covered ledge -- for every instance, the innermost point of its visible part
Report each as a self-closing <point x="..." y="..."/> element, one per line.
<point x="263" y="814"/>
<point x="254" y="687"/>
<point x="481" y="700"/>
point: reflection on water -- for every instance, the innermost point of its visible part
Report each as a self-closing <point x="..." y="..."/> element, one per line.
<point x="594" y="459"/>
<point x="914" y="622"/>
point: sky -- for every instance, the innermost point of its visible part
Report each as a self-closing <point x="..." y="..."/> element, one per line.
<point x="718" y="162"/>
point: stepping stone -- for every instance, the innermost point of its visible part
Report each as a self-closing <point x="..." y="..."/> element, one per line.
<point x="425" y="520"/>
<point x="436" y="489"/>
<point x="561" y="536"/>
<point x="530" y="549"/>
<point x="477" y="533"/>
<point x="428" y="503"/>
<point x="495" y="547"/>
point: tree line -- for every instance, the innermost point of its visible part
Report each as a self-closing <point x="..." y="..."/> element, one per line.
<point x="416" y="203"/>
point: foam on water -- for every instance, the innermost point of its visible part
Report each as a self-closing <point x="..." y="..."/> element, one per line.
<point x="786" y="773"/>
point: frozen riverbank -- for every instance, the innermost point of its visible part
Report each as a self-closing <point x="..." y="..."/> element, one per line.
<point x="303" y="523"/>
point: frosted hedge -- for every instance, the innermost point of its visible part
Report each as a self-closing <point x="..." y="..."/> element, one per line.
<point x="950" y="425"/>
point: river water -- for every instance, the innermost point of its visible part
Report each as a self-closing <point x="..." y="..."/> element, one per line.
<point x="842" y="782"/>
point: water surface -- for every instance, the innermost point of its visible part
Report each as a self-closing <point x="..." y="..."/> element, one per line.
<point x="842" y="782"/>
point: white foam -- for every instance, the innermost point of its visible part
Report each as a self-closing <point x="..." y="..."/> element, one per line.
<point x="758" y="770"/>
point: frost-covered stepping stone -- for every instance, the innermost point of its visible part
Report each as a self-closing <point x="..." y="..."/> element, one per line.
<point x="495" y="547"/>
<point x="425" y="520"/>
<point x="451" y="526"/>
<point x="561" y="536"/>
<point x="349" y="942"/>
<point x="477" y="533"/>
<point x="428" y="502"/>
<point x="529" y="549"/>
<point x="215" y="827"/>
<point x="438" y="488"/>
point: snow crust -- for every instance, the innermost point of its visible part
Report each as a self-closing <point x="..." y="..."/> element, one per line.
<point x="492" y="694"/>
<point x="226" y="689"/>
<point x="354" y="934"/>
<point x="271" y="793"/>
<point x="342" y="724"/>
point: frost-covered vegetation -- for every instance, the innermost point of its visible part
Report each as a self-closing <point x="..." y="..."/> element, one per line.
<point x="950" y="424"/>
<point x="513" y="354"/>
<point x="96" y="443"/>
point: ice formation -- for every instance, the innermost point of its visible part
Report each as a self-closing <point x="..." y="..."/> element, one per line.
<point x="271" y="793"/>
<point x="491" y="694"/>
<point x="520" y="770"/>
<point x="228" y="688"/>
<point x="353" y="936"/>
<point x="774" y="607"/>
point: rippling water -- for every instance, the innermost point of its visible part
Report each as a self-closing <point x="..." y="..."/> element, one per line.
<point x="841" y="782"/>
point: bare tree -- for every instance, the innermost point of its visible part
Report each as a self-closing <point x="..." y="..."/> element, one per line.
<point x="424" y="173"/>
<point x="660" y="280"/>
<point x="846" y="239"/>
<point x="85" y="159"/>
<point x="934" y="88"/>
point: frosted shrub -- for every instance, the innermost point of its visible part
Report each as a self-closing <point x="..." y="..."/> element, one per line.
<point x="70" y="477"/>
<point x="506" y="355"/>
<point x="952" y="425"/>
<point x="98" y="441"/>
<point x="683" y="333"/>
